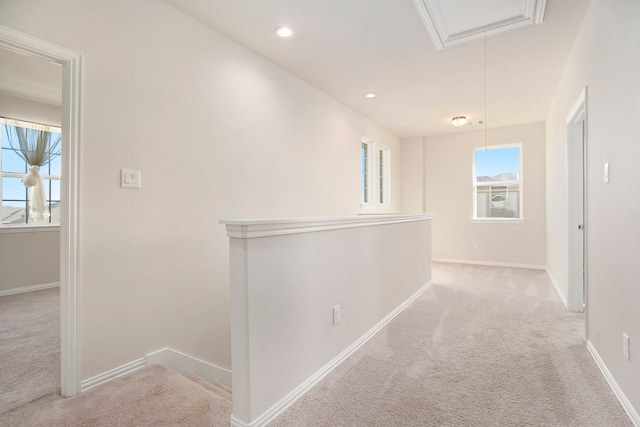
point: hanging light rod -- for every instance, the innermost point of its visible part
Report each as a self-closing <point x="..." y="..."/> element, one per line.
<point x="459" y="121"/>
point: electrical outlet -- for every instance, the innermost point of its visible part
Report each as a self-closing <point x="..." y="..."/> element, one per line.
<point x="336" y="314"/>
<point x="475" y="246"/>
<point x="625" y="346"/>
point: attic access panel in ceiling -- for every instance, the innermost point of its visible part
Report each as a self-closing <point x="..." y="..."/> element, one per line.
<point x="454" y="22"/>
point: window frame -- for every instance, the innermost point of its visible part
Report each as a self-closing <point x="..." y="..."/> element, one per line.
<point x="377" y="182"/>
<point x="46" y="178"/>
<point x="366" y="169"/>
<point x="383" y="155"/>
<point x="520" y="182"/>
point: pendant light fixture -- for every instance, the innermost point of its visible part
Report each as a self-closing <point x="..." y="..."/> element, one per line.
<point x="486" y="119"/>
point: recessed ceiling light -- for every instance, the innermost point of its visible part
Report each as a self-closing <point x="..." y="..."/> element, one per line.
<point x="370" y="95"/>
<point x="284" y="32"/>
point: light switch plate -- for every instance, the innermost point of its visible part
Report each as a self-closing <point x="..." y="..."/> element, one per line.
<point x="606" y="172"/>
<point x="129" y="178"/>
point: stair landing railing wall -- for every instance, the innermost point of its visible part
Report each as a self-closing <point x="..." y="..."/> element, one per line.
<point x="306" y="293"/>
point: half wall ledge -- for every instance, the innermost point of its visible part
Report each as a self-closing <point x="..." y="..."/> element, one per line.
<point x="252" y="228"/>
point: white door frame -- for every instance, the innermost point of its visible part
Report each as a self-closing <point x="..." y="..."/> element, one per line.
<point x="71" y="63"/>
<point x="577" y="202"/>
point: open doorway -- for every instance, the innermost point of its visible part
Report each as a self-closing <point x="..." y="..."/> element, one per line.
<point x="70" y="67"/>
<point x="577" y="184"/>
<point x="30" y="118"/>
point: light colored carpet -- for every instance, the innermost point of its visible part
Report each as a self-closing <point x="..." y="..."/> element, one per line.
<point x="29" y="347"/>
<point x="155" y="396"/>
<point x="485" y="346"/>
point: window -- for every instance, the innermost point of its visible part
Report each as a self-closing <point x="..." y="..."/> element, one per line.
<point x="365" y="177"/>
<point x="15" y="197"/>
<point x="375" y="178"/>
<point x="497" y="182"/>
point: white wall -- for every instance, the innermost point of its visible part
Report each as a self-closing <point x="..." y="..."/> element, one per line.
<point x="448" y="195"/>
<point x="285" y="285"/>
<point x="13" y="107"/>
<point x="413" y="175"/>
<point x="218" y="132"/>
<point x="605" y="58"/>
<point x="29" y="258"/>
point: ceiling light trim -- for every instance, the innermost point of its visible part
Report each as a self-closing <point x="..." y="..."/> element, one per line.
<point x="434" y="21"/>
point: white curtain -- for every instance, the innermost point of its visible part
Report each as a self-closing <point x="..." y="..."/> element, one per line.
<point x="38" y="203"/>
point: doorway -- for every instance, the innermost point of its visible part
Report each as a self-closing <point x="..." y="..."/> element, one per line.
<point x="577" y="185"/>
<point x="70" y="61"/>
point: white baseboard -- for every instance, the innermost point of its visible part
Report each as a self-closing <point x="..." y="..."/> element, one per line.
<point x="557" y="288"/>
<point x="628" y="407"/>
<point x="112" y="374"/>
<point x="490" y="263"/>
<point x="172" y="359"/>
<point x="299" y="391"/>
<point x="29" y="288"/>
<point x="183" y="364"/>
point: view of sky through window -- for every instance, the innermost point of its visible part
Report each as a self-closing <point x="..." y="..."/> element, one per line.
<point x="498" y="161"/>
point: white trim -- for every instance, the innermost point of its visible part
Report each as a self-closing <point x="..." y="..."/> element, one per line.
<point x="179" y="362"/>
<point x="248" y="229"/>
<point x="434" y="22"/>
<point x="182" y="364"/>
<point x="112" y="374"/>
<point x="510" y="221"/>
<point x="519" y="181"/>
<point x="41" y="228"/>
<point x="29" y="288"/>
<point x="622" y="398"/>
<point x="284" y="403"/>
<point x="69" y="193"/>
<point x="557" y="288"/>
<point x="490" y="263"/>
<point x="576" y="127"/>
<point x="370" y="171"/>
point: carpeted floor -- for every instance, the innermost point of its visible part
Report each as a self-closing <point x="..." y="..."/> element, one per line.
<point x="484" y="346"/>
<point x="155" y="396"/>
<point x="29" y="347"/>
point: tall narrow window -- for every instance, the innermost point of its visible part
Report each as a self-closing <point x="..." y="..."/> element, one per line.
<point x="16" y="202"/>
<point x="497" y="182"/>
<point x="365" y="177"/>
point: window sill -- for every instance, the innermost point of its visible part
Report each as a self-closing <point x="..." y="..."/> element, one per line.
<point x="511" y="221"/>
<point x="12" y="229"/>
<point x="384" y="208"/>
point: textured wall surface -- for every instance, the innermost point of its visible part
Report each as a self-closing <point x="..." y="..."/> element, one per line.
<point x="605" y="58"/>
<point x="218" y="132"/>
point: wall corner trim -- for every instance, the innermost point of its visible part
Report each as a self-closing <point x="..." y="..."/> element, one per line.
<point x="557" y="288"/>
<point x="112" y="374"/>
<point x="29" y="288"/>
<point x="183" y="363"/>
<point x="179" y="362"/>
<point x="284" y="403"/>
<point x="626" y="404"/>
<point x="490" y="263"/>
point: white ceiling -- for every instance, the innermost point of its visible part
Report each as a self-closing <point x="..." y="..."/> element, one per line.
<point x="350" y="48"/>
<point x="30" y="78"/>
